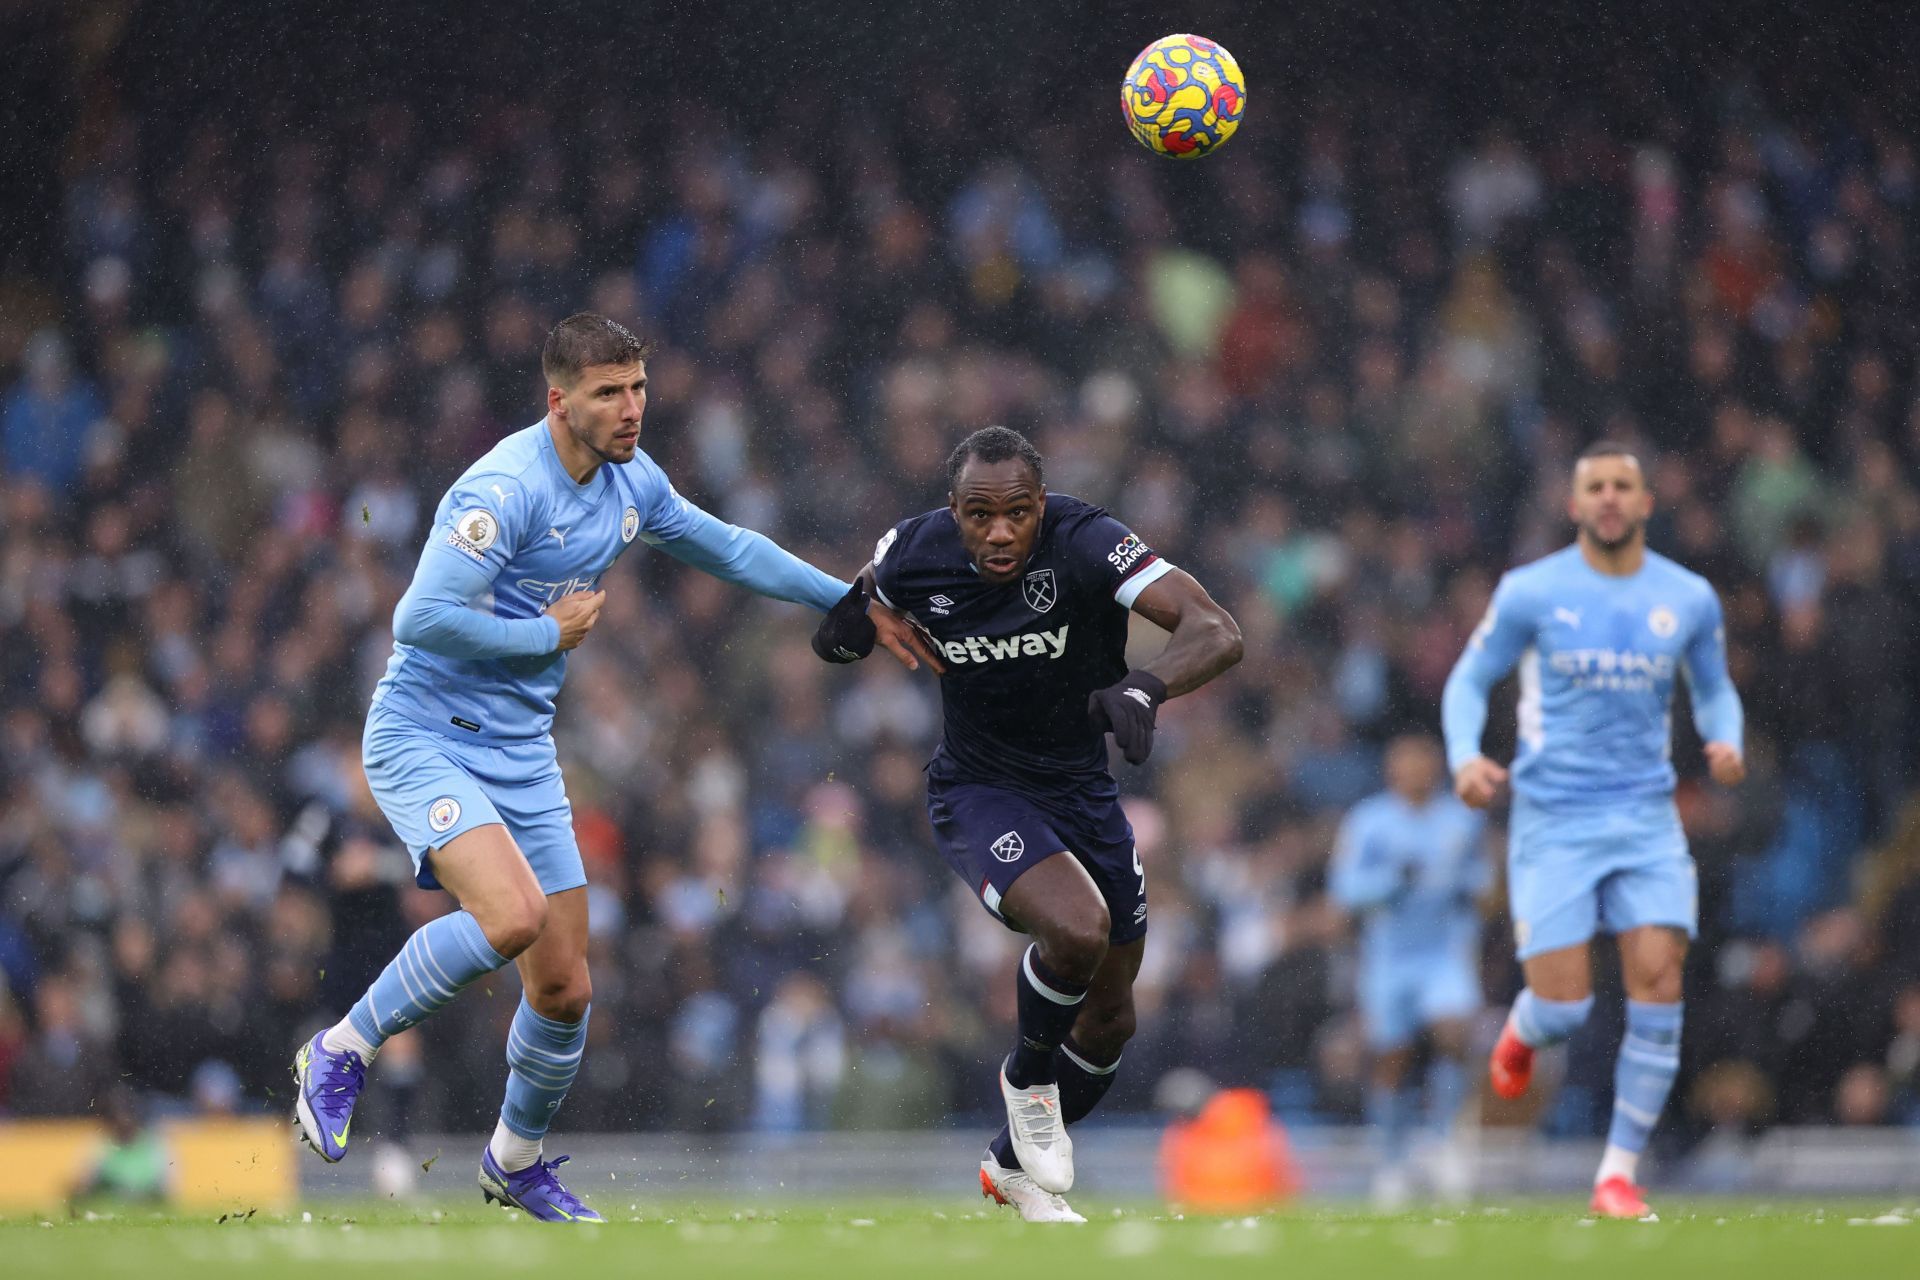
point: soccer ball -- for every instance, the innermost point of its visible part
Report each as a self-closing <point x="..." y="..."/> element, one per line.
<point x="1183" y="96"/>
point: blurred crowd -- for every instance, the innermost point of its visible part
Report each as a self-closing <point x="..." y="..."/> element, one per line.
<point x="1338" y="371"/>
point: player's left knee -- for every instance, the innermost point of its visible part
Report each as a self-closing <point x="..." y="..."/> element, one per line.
<point x="1075" y="944"/>
<point x="565" y="1000"/>
<point x="1656" y="970"/>
<point x="1659" y="986"/>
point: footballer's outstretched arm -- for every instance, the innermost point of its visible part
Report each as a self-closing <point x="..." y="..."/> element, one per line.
<point x="742" y="557"/>
<point x="1206" y="639"/>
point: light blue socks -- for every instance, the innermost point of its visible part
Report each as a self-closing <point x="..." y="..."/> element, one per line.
<point x="1643" y="1075"/>
<point x="544" y="1057"/>
<point x="441" y="957"/>
<point x="1540" y="1023"/>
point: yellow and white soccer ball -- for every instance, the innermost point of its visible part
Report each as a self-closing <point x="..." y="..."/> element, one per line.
<point x="1183" y="96"/>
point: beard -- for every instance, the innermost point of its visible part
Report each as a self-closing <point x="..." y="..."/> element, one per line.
<point x="614" y="451"/>
<point x="1634" y="530"/>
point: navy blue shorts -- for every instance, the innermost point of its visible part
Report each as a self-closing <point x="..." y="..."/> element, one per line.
<point x="990" y="834"/>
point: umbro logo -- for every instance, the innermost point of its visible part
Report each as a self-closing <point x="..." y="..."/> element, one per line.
<point x="939" y="604"/>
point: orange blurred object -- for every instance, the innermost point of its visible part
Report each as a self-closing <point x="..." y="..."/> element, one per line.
<point x="1230" y="1157"/>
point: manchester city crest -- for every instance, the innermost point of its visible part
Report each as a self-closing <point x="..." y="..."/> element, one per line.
<point x="1039" y="589"/>
<point x="443" y="813"/>
<point x="629" y="524"/>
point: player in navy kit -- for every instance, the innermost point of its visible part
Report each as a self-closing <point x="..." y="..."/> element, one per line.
<point x="1025" y="595"/>
<point x="458" y="749"/>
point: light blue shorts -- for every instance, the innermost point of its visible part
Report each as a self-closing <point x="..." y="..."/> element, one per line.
<point x="1574" y="873"/>
<point x="433" y="788"/>
<point x="1402" y="996"/>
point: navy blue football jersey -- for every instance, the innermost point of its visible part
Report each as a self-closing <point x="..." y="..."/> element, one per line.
<point x="1022" y="656"/>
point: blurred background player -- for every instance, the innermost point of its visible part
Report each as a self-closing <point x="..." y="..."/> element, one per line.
<point x="1600" y="631"/>
<point x="1410" y="866"/>
<point x="133" y="1161"/>
<point x="458" y="747"/>
<point x="1026" y="596"/>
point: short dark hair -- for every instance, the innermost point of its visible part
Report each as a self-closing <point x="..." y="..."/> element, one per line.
<point x="994" y="444"/>
<point x="587" y="338"/>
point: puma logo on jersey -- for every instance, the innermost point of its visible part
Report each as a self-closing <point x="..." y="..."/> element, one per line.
<point x="559" y="535"/>
<point x="1563" y="614"/>
<point x="503" y="494"/>
<point x="1031" y="644"/>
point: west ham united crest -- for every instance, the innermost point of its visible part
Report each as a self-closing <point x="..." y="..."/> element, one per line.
<point x="1039" y="590"/>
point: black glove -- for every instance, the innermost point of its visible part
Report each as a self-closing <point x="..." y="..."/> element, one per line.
<point x="1126" y="710"/>
<point x="846" y="633"/>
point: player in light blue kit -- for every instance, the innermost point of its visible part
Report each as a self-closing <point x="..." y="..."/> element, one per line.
<point x="1599" y="631"/>
<point x="1410" y="865"/>
<point x="458" y="751"/>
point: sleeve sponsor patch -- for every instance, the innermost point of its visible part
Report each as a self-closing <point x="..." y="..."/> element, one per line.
<point x="885" y="544"/>
<point x="474" y="531"/>
<point x="1128" y="553"/>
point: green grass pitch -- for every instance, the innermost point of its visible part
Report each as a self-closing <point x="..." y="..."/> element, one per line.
<point x="927" y="1238"/>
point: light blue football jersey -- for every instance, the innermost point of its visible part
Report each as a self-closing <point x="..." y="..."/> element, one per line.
<point x="519" y="519"/>
<point x="1598" y="656"/>
<point x="1412" y="874"/>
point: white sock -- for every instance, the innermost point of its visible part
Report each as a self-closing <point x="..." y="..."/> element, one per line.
<point x="1618" y="1161"/>
<point x="342" y="1036"/>
<point x="511" y="1151"/>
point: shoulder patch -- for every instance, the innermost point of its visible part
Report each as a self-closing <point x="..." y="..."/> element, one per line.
<point x="479" y="527"/>
<point x="885" y="544"/>
<point x="1129" y="549"/>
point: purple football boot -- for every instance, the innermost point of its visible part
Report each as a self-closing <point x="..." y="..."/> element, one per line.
<point x="329" y="1085"/>
<point x="534" y="1189"/>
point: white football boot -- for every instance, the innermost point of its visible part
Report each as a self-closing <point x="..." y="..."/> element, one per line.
<point x="1040" y="1141"/>
<point x="1014" y="1187"/>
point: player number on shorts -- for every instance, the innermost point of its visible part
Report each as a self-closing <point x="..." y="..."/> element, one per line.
<point x="1140" y="871"/>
